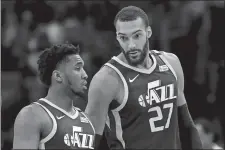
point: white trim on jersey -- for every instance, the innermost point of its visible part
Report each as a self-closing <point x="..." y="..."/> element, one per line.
<point x="89" y="121"/>
<point x="145" y="71"/>
<point x="53" y="131"/>
<point x="119" y="131"/>
<point x="77" y="108"/>
<point x="125" y="87"/>
<point x="108" y="121"/>
<point x="168" y="64"/>
<point x="60" y="109"/>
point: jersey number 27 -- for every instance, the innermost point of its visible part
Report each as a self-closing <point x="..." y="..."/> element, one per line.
<point x="160" y="117"/>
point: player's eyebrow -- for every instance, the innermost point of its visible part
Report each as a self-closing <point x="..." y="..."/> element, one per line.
<point x="79" y="63"/>
<point x="119" y="33"/>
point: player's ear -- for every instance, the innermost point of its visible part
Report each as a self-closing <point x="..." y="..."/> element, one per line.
<point x="149" y="32"/>
<point x="57" y="76"/>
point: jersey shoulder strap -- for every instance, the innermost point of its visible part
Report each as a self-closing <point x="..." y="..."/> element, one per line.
<point x="78" y="109"/>
<point x="158" y="56"/>
<point x="162" y="61"/>
<point x="156" y="52"/>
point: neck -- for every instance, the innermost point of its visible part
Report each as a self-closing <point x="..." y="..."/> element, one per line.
<point x="146" y="64"/>
<point x="60" y="98"/>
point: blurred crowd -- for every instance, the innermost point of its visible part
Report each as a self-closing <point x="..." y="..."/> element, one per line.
<point x="193" y="30"/>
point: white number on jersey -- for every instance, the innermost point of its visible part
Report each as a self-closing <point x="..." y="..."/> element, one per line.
<point x="160" y="117"/>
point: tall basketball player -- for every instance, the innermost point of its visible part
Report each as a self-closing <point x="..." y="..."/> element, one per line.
<point x="53" y="122"/>
<point x="139" y="93"/>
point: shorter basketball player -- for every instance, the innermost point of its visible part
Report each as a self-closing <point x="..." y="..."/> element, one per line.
<point x="53" y="122"/>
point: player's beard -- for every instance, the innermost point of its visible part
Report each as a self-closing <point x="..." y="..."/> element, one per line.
<point x="143" y="54"/>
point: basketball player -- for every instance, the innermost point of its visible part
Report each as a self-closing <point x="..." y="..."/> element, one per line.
<point x="53" y="122"/>
<point x="139" y="93"/>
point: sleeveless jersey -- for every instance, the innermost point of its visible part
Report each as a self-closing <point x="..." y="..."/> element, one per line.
<point x="68" y="131"/>
<point x="147" y="117"/>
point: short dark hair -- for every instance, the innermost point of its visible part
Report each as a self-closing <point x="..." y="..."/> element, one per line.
<point x="51" y="57"/>
<point x="131" y="13"/>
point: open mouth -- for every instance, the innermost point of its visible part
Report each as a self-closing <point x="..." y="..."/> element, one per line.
<point x="85" y="84"/>
<point x="133" y="53"/>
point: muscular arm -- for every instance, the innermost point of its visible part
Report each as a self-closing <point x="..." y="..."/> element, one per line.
<point x="102" y="90"/>
<point x="186" y="124"/>
<point x="26" y="130"/>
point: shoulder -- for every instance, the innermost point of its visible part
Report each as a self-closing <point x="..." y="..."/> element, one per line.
<point x="170" y="57"/>
<point x="107" y="72"/>
<point x="174" y="61"/>
<point x="31" y="115"/>
<point x="105" y="85"/>
<point x="106" y="76"/>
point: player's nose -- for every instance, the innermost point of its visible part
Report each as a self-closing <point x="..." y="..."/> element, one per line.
<point x="131" y="44"/>
<point x="84" y="75"/>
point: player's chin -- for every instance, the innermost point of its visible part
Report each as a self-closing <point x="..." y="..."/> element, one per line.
<point x="82" y="93"/>
<point x="135" y="61"/>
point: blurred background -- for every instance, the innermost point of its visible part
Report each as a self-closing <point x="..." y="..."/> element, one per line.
<point x="193" y="30"/>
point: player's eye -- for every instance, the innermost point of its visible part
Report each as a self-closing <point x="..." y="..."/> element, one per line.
<point x="136" y="36"/>
<point x="123" y="38"/>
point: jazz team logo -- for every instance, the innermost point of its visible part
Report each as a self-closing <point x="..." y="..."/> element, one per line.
<point x="79" y="139"/>
<point x="157" y="93"/>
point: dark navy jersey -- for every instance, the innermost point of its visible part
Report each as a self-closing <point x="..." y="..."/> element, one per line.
<point x="147" y="117"/>
<point x="68" y="131"/>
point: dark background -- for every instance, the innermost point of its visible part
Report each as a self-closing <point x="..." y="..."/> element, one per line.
<point x="193" y="30"/>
